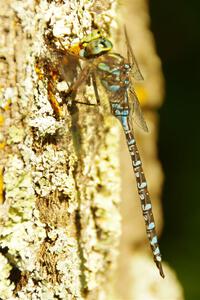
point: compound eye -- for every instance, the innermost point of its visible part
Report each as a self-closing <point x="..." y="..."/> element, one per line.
<point x="102" y="44"/>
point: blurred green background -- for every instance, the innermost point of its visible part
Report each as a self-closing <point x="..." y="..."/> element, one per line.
<point x="176" y="27"/>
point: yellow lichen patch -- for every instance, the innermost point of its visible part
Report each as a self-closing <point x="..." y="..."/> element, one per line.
<point x="1" y="185"/>
<point x="39" y="72"/>
<point x="141" y="93"/>
<point x="7" y="104"/>
<point x="2" y="145"/>
<point x="1" y="120"/>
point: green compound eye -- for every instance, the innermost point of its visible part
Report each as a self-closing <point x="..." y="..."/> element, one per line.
<point x="94" y="45"/>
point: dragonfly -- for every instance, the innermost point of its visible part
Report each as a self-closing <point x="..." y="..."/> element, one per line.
<point x="116" y="74"/>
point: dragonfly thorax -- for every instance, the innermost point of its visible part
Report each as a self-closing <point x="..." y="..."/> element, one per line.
<point x="114" y="71"/>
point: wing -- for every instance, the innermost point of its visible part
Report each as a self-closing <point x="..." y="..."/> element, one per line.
<point x="82" y="79"/>
<point x="137" y="111"/>
<point x="131" y="59"/>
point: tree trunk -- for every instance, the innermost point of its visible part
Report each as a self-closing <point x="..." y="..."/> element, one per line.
<point x="60" y="219"/>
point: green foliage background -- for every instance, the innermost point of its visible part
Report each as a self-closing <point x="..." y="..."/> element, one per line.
<point x="176" y="27"/>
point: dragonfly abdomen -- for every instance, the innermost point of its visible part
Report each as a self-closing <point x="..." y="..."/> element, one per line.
<point x="122" y="113"/>
<point x="144" y="197"/>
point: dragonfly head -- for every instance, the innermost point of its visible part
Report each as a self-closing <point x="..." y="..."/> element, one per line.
<point x="95" y="45"/>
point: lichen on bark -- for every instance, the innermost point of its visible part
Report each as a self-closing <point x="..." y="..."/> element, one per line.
<point x="60" y="222"/>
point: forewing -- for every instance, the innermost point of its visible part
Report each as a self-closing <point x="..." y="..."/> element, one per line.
<point x="137" y="111"/>
<point x="81" y="80"/>
<point x="69" y="67"/>
<point x="136" y="73"/>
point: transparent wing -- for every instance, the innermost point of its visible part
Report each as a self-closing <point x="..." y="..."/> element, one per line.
<point x="137" y="111"/>
<point x="136" y="73"/>
<point x="81" y="80"/>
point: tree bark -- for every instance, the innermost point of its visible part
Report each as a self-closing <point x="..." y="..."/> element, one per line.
<point x="60" y="219"/>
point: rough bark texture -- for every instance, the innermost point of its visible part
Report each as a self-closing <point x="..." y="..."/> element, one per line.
<point x="59" y="218"/>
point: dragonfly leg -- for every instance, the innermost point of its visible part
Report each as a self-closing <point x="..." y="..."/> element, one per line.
<point x="95" y="88"/>
<point x="51" y="89"/>
<point x="52" y="99"/>
<point x="84" y="75"/>
<point x="85" y="103"/>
